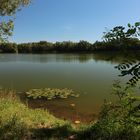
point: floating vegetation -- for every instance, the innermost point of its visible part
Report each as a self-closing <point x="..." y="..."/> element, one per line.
<point x="49" y="94"/>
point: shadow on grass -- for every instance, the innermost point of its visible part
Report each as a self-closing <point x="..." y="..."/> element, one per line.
<point x="57" y="133"/>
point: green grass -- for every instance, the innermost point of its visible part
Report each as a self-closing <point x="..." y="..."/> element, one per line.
<point x="17" y="121"/>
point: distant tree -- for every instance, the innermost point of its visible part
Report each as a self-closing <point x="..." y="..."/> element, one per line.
<point x="84" y="45"/>
<point x="9" y="8"/>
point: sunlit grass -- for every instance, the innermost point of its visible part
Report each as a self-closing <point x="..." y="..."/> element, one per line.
<point x="17" y="120"/>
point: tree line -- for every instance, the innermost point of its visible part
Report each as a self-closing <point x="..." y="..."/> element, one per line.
<point x="68" y="46"/>
<point x="117" y="39"/>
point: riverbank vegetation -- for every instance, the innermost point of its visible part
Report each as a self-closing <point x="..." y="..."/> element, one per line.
<point x="117" y="120"/>
<point x="17" y="121"/>
<point x="133" y="44"/>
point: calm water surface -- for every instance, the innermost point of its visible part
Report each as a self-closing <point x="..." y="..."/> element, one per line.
<point x="91" y="75"/>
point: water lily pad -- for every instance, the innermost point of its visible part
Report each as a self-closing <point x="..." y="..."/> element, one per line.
<point x="49" y="94"/>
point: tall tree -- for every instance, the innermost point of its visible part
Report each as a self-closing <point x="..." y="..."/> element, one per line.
<point x="8" y="9"/>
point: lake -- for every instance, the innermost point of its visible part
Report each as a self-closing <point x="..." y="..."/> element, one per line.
<point x="91" y="75"/>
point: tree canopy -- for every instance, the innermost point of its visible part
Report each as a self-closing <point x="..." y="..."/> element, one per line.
<point x="9" y="8"/>
<point x="121" y="34"/>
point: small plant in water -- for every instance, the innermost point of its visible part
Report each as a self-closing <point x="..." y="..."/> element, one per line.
<point x="49" y="94"/>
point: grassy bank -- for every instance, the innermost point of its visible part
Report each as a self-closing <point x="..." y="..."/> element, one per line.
<point x="18" y="122"/>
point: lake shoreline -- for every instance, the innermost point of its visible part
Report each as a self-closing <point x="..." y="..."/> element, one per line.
<point x="75" y="52"/>
<point x="26" y="123"/>
<point x="132" y="44"/>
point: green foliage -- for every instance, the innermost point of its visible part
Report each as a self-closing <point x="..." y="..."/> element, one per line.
<point x="133" y="30"/>
<point x="117" y="33"/>
<point x="121" y="36"/>
<point x="44" y="47"/>
<point x="117" y="121"/>
<point x="12" y="129"/>
<point x="8" y="48"/>
<point x="17" y="121"/>
<point x="72" y="47"/>
<point x="9" y="8"/>
<point x="127" y="104"/>
<point x="130" y="68"/>
<point x="50" y="94"/>
<point x="5" y="30"/>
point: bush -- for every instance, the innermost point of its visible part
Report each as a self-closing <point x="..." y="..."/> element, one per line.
<point x="117" y="121"/>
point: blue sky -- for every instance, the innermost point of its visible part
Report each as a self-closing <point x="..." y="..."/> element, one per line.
<point x="62" y="20"/>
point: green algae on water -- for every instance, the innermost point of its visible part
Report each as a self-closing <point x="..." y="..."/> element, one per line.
<point x="49" y="93"/>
